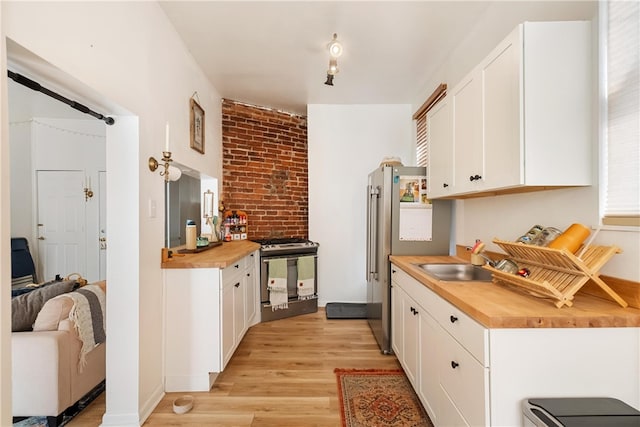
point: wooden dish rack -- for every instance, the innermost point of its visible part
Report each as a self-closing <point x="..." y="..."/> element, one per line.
<point x="556" y="273"/>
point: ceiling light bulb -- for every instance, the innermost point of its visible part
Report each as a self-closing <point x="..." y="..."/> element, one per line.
<point x="335" y="47"/>
<point x="333" y="67"/>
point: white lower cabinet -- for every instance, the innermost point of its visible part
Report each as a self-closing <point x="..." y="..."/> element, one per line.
<point x="428" y="388"/>
<point x="463" y="378"/>
<point x="207" y="312"/>
<point x="469" y="375"/>
<point x="404" y="310"/>
<point x="233" y="309"/>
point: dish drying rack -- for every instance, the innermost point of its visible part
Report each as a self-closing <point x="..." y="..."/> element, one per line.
<point x="556" y="273"/>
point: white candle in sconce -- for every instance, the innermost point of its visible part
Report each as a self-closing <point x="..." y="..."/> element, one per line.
<point x="166" y="143"/>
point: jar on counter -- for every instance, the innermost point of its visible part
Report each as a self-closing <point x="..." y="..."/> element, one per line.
<point x="530" y="235"/>
<point x="546" y="236"/>
<point x="507" y="265"/>
<point x="572" y="238"/>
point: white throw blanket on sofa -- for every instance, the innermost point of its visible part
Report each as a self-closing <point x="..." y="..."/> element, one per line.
<point x="88" y="316"/>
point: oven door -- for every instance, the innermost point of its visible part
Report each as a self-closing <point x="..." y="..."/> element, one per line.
<point x="296" y="306"/>
<point x="292" y="276"/>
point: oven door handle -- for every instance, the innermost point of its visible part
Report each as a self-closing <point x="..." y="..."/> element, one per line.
<point x="266" y="260"/>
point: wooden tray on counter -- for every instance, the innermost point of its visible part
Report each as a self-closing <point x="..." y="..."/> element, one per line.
<point x="556" y="273"/>
<point x="200" y="249"/>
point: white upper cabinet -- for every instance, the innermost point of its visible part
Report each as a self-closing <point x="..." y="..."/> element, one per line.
<point x="440" y="171"/>
<point x="521" y="120"/>
<point x="468" y="150"/>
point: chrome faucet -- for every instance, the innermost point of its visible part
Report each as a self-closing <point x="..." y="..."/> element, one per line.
<point x="487" y="259"/>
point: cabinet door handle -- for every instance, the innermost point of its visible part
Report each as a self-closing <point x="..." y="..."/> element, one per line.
<point x="237" y="266"/>
<point x="475" y="177"/>
<point x="393" y="272"/>
<point x="454" y="364"/>
<point x="237" y="285"/>
<point x="453" y="318"/>
<point x="415" y="311"/>
<point x="445" y="185"/>
<point x="248" y="274"/>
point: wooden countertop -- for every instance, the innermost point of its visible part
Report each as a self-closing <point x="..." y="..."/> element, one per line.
<point x="497" y="306"/>
<point x="218" y="257"/>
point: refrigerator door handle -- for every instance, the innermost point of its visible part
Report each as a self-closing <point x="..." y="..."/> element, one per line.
<point x="368" y="266"/>
<point x="373" y="231"/>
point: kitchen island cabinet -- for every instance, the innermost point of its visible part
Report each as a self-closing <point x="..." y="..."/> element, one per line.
<point x="210" y="301"/>
<point x="521" y="119"/>
<point x="494" y="347"/>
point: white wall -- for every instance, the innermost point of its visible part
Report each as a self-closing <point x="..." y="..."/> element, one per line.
<point x="54" y="144"/>
<point x="507" y="217"/>
<point x="5" y="242"/>
<point x="129" y="53"/>
<point x="346" y="143"/>
<point x="21" y="181"/>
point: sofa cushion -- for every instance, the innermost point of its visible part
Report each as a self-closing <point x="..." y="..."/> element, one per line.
<point x="52" y="312"/>
<point x="57" y="309"/>
<point x="25" y="308"/>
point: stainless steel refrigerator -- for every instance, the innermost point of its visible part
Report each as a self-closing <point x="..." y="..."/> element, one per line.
<point x="400" y="221"/>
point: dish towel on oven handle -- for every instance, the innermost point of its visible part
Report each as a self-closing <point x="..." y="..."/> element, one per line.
<point x="306" y="277"/>
<point x="277" y="284"/>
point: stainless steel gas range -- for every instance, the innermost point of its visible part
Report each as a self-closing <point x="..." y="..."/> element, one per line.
<point x="289" y="252"/>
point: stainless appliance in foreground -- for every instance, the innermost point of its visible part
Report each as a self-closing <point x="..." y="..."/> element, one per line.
<point x="291" y="250"/>
<point x="400" y="221"/>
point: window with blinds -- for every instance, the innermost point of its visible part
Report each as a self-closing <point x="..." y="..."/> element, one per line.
<point x="622" y="136"/>
<point x="422" y="144"/>
<point x="420" y="116"/>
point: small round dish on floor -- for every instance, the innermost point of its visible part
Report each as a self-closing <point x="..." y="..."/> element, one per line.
<point x="183" y="404"/>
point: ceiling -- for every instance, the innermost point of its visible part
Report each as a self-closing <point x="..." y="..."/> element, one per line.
<point x="275" y="53"/>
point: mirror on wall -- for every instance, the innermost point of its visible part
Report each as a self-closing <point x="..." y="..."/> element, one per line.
<point x="184" y="200"/>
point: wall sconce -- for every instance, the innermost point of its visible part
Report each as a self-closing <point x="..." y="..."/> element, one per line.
<point x="335" y="50"/>
<point x="170" y="173"/>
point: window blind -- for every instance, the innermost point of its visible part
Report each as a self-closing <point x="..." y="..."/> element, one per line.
<point x="622" y="146"/>
<point x="422" y="143"/>
<point x="420" y="116"/>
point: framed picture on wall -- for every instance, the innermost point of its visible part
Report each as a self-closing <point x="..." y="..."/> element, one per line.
<point x="196" y="126"/>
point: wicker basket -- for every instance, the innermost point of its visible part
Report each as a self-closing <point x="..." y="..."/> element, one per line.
<point x="556" y="273"/>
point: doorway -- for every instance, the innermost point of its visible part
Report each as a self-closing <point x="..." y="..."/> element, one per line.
<point x="62" y="224"/>
<point x="54" y="188"/>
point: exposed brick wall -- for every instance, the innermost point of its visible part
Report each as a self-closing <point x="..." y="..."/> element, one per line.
<point x="265" y="169"/>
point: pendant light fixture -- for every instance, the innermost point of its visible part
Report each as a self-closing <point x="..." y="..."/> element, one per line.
<point x="335" y="50"/>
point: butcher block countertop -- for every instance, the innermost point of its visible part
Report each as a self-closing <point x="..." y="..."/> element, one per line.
<point x="218" y="257"/>
<point x="497" y="306"/>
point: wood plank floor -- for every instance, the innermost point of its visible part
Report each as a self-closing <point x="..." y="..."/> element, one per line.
<point x="280" y="375"/>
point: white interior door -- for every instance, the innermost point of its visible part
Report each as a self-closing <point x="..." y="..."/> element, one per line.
<point x="61" y="223"/>
<point x="102" y="221"/>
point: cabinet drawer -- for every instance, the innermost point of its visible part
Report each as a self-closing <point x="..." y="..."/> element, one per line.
<point x="424" y="296"/>
<point x="464" y="380"/>
<point x="448" y="414"/>
<point x="233" y="273"/>
<point x="472" y="335"/>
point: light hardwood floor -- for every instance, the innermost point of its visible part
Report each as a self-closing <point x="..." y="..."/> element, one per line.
<point x="280" y="375"/>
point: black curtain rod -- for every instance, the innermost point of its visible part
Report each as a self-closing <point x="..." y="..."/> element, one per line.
<point x="19" y="78"/>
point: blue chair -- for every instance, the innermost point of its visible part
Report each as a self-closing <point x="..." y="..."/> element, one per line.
<point x="23" y="270"/>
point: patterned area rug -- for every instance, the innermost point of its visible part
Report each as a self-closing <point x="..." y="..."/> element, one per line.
<point x="380" y="398"/>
